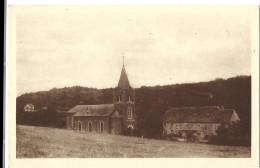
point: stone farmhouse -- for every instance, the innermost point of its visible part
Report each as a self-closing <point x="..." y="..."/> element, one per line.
<point x="107" y="118"/>
<point x="200" y="121"/>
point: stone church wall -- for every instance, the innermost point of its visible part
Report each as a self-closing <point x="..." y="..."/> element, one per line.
<point x="69" y="120"/>
<point x="95" y="124"/>
<point x="116" y="126"/>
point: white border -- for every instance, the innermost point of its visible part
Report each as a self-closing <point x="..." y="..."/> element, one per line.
<point x="152" y="162"/>
<point x="135" y="2"/>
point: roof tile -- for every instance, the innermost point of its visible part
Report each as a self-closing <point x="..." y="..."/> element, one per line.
<point x="207" y="114"/>
<point x="92" y="110"/>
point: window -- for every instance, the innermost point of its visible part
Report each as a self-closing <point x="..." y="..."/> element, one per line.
<point x="215" y="127"/>
<point x="171" y="125"/>
<point x="164" y="124"/>
<point x="205" y="130"/>
<point x="129" y="113"/>
<point x="79" y="123"/>
<point x="129" y="98"/>
<point x="89" y="126"/>
<point x="171" y="131"/>
<point x="119" y="98"/>
<point x="180" y="126"/>
<point x="165" y="132"/>
<point x="101" y="126"/>
<point x="72" y="126"/>
<point x="177" y="126"/>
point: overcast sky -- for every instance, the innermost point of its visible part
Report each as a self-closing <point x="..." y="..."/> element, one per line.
<point x="68" y="46"/>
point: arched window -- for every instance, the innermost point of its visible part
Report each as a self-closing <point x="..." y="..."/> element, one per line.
<point x="101" y="126"/>
<point x="79" y="123"/>
<point x="119" y="98"/>
<point x="129" y="113"/>
<point x="72" y="126"/>
<point x="89" y="126"/>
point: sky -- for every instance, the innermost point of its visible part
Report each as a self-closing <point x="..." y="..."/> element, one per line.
<point x="64" y="46"/>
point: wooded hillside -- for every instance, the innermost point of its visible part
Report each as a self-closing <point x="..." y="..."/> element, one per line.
<point x="151" y="102"/>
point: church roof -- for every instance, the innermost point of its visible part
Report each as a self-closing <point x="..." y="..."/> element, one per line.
<point x="93" y="110"/>
<point x="208" y="114"/>
<point x="123" y="81"/>
<point x="116" y="115"/>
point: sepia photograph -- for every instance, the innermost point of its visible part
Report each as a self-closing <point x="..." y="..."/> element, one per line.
<point x="133" y="81"/>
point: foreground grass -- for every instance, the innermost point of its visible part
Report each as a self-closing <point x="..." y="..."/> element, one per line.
<point x="43" y="142"/>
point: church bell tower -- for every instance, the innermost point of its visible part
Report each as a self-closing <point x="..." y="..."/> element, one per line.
<point x="124" y="100"/>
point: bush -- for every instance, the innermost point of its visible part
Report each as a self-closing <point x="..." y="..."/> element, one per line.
<point x="46" y="118"/>
<point x="191" y="137"/>
<point x="230" y="134"/>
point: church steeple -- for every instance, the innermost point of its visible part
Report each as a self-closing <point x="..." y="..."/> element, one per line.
<point x="123" y="80"/>
<point x="124" y="100"/>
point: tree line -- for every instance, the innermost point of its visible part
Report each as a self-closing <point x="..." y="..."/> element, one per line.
<point x="151" y="102"/>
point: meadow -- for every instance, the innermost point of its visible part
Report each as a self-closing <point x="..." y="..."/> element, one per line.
<point x="45" y="142"/>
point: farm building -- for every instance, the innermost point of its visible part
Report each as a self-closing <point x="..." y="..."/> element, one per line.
<point x="107" y="118"/>
<point x="200" y="121"/>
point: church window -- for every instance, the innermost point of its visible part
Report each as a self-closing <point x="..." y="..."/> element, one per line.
<point x="79" y="123"/>
<point x="119" y="98"/>
<point x="101" y="126"/>
<point x="72" y="122"/>
<point x="89" y="126"/>
<point x="129" y="113"/>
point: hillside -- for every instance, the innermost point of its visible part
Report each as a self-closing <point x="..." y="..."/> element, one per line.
<point x="44" y="142"/>
<point x="151" y="102"/>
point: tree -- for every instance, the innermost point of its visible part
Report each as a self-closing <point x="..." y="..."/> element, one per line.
<point x="231" y="134"/>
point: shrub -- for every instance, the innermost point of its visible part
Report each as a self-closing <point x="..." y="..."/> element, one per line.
<point x="191" y="136"/>
<point x="230" y="134"/>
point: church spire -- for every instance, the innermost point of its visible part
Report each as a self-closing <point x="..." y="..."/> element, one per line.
<point x="123" y="81"/>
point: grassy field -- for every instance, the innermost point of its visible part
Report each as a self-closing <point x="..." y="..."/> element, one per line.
<point x="43" y="142"/>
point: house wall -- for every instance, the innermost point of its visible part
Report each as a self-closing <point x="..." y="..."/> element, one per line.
<point x="84" y="120"/>
<point x="202" y="129"/>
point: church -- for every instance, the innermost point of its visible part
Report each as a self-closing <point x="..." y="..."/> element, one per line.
<point x="107" y="118"/>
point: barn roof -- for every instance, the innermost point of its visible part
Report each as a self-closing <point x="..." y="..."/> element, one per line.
<point x="92" y="110"/>
<point x="207" y="114"/>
